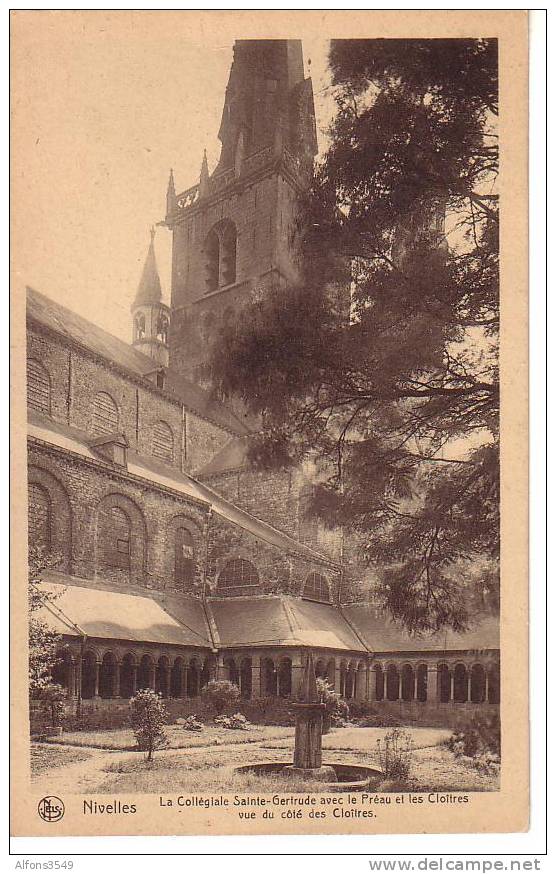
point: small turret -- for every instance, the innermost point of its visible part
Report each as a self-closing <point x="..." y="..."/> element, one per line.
<point x="204" y="177"/>
<point x="171" y="199"/>
<point x="151" y="317"/>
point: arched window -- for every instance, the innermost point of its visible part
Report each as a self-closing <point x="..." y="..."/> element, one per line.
<point x="408" y="683"/>
<point x="162" y="327"/>
<point x="379" y="683"/>
<point x="140" y="327"/>
<point x="316" y="587"/>
<point x="460" y="683"/>
<point x="220" y="256"/>
<point x="422" y="678"/>
<point x="105" y="414"/>
<point x="40" y="516"/>
<point x="238" y="573"/>
<point x="38" y="386"/>
<point x="212" y="262"/>
<point x="228" y="245"/>
<point x="115" y="537"/>
<point x="307" y="524"/>
<point x="184" y="557"/>
<point x="163" y="441"/>
<point x="392" y="683"/>
<point x="478" y="684"/>
<point x="444" y="683"/>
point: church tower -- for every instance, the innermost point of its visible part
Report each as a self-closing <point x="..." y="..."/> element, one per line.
<point x="232" y="231"/>
<point x="151" y="317"/>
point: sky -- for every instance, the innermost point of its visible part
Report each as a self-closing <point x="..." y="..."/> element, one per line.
<point x="104" y="104"/>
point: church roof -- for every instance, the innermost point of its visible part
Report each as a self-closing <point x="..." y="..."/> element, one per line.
<point x="99" y="610"/>
<point x="149" y="290"/>
<point x="232" y="456"/>
<point x="74" y="327"/>
<point x="382" y="635"/>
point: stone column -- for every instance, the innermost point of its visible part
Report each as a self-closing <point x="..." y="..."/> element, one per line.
<point x="152" y="677"/>
<point x="117" y="679"/>
<point x="297" y="674"/>
<point x="256" y="691"/>
<point x="97" y="679"/>
<point x="71" y="679"/>
<point x="469" y="685"/>
<point x="338" y="679"/>
<point x="452" y="678"/>
<point x="222" y="672"/>
<point x="487" y="684"/>
<point x="433" y="690"/>
<point x="371" y="684"/>
<point x="184" y="681"/>
<point x="133" y="683"/>
<point x="167" y="677"/>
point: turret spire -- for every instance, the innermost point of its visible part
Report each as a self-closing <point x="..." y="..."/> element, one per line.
<point x="151" y="317"/>
<point x="149" y="290"/>
<point x="171" y="201"/>
<point x="204" y="177"/>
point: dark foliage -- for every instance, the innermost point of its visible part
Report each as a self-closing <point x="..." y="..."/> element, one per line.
<point x="382" y="362"/>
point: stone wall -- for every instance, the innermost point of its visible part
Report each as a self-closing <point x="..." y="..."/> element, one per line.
<point x="78" y="489"/>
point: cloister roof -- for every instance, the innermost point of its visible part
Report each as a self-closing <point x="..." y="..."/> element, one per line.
<point x="104" y="610"/>
<point x="381" y="635"/>
<point x="280" y="620"/>
<point x="84" y="607"/>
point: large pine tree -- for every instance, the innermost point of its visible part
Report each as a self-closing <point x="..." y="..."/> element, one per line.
<point x="383" y="360"/>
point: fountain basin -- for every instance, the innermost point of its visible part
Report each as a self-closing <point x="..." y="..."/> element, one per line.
<point x="348" y="777"/>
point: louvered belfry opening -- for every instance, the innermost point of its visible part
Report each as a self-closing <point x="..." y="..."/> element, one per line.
<point x="38" y="386"/>
<point x="105" y="414"/>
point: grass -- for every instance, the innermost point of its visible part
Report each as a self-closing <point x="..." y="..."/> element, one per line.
<point x="123" y="738"/>
<point x="45" y="757"/>
<point x="197" y="763"/>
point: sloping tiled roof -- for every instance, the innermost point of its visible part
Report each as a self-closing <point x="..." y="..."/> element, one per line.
<point x="98" y="611"/>
<point x="232" y="456"/>
<point x="322" y="625"/>
<point x="74" y="327"/>
<point x="150" y="469"/>
<point x="281" y="621"/>
<point x="382" y="635"/>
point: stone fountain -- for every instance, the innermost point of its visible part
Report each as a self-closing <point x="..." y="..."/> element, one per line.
<point x="307" y="756"/>
<point x="309" y="712"/>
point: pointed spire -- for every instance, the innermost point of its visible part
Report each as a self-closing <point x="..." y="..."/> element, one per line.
<point x="171" y="201"/>
<point x="204" y="177"/>
<point x="149" y="290"/>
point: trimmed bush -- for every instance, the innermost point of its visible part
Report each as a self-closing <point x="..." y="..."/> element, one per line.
<point x="148" y="717"/>
<point x="220" y="695"/>
<point x="191" y="723"/>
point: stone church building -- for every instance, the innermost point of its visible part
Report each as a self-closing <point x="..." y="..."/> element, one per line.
<point x="177" y="562"/>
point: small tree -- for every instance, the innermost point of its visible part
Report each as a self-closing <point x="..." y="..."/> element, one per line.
<point x="220" y="695"/>
<point x="43" y="642"/>
<point x="148" y="716"/>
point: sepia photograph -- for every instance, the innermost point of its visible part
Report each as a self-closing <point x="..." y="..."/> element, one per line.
<point x="259" y="281"/>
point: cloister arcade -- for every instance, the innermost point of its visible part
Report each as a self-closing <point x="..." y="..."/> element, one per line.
<point x="105" y="672"/>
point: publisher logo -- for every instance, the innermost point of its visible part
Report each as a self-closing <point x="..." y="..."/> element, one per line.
<point x="51" y="808"/>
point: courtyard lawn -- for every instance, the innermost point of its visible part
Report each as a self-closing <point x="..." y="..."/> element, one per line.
<point x="45" y="757"/>
<point x="205" y="762"/>
<point x="212" y="735"/>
